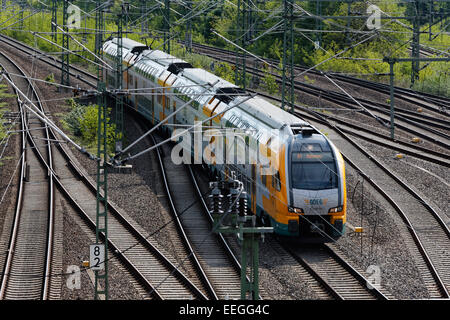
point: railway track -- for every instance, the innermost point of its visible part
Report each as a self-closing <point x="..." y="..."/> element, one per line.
<point x="428" y="101"/>
<point x="213" y="257"/>
<point x="399" y="145"/>
<point x="429" y="235"/>
<point x="327" y="273"/>
<point x="82" y="204"/>
<point x="357" y="130"/>
<point x="133" y="247"/>
<point x="211" y="253"/>
<point x="431" y="129"/>
<point x="182" y="244"/>
<point x="148" y="264"/>
<point x="407" y="148"/>
<point x="27" y="267"/>
<point x="439" y="291"/>
<point x="338" y="277"/>
<point x="424" y="100"/>
<point x="369" y="135"/>
<point x="74" y="72"/>
<point x="227" y="247"/>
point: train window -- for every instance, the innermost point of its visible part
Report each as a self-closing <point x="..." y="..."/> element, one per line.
<point x="167" y="102"/>
<point x="276" y="183"/>
<point x="185" y="96"/>
<point x="313" y="171"/>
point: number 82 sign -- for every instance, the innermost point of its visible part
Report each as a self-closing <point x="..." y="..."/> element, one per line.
<point x="97" y="257"/>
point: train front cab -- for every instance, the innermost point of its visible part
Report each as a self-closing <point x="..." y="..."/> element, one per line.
<point x="316" y="210"/>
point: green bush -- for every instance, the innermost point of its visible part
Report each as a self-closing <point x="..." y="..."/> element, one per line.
<point x="391" y="40"/>
<point x="269" y="82"/>
<point x="82" y="122"/>
<point x="3" y="109"/>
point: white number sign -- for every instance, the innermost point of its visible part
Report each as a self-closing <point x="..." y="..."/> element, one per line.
<point x="97" y="257"/>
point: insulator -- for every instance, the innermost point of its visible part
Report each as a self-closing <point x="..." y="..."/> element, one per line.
<point x="243" y="207"/>
<point x="215" y="201"/>
<point x="233" y="201"/>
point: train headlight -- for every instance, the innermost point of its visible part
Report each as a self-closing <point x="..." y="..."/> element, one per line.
<point x="335" y="209"/>
<point x="295" y="210"/>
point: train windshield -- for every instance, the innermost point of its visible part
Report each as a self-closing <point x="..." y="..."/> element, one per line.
<point x="313" y="171"/>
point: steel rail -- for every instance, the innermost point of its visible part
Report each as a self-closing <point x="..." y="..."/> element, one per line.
<point x="49" y="217"/>
<point x="402" y="93"/>
<point x="182" y="234"/>
<point x="397" y="145"/>
<point x="419" y="243"/>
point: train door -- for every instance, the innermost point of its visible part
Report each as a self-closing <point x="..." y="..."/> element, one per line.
<point x="153" y="106"/>
<point x="253" y="188"/>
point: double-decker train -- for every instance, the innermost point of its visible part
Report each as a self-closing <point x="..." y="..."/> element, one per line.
<point x="299" y="189"/>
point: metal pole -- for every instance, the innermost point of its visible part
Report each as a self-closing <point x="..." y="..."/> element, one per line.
<point x="85" y="23"/>
<point x="285" y="27"/>
<point x="119" y="82"/>
<point x="244" y="37"/>
<point x="291" y="23"/>
<point x="102" y="174"/>
<point x="22" y="8"/>
<point x="255" y="266"/>
<point x="238" y="24"/>
<point x="347" y="34"/>
<point x="243" y="225"/>
<point x="65" y="81"/>
<point x="415" y="45"/>
<point x="241" y="38"/>
<point x="143" y="12"/>
<point x="431" y="18"/>
<point x="319" y="22"/>
<point x="188" y="35"/>
<point x="288" y="45"/>
<point x="54" y="21"/>
<point x="244" y="263"/>
<point x="166" y="18"/>
<point x="391" y="79"/>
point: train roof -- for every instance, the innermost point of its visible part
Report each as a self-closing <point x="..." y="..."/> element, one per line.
<point x="257" y="107"/>
<point x="130" y="44"/>
<point x="161" y="57"/>
<point x="272" y="115"/>
<point x="201" y="76"/>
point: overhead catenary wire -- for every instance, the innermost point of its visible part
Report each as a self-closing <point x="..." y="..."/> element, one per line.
<point x="209" y="85"/>
<point x="67" y="51"/>
<point x="51" y="83"/>
<point x="185" y="131"/>
<point x="83" y="46"/>
<point x="38" y="113"/>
